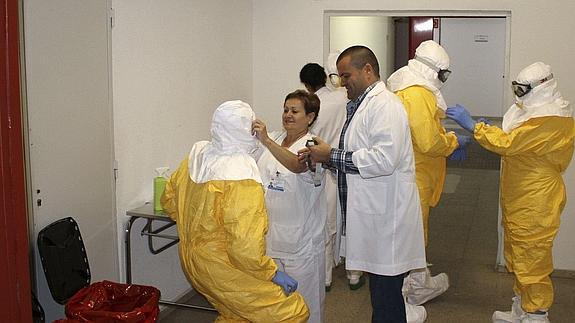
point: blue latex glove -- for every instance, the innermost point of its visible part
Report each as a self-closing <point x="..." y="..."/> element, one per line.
<point x="462" y="141"/>
<point x="458" y="154"/>
<point x="288" y="284"/>
<point x="485" y="120"/>
<point x="459" y="114"/>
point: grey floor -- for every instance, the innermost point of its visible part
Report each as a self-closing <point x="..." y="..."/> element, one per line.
<point x="463" y="243"/>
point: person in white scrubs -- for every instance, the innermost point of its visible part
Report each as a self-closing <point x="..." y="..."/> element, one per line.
<point x="293" y="191"/>
<point x="328" y="126"/>
<point x="377" y="189"/>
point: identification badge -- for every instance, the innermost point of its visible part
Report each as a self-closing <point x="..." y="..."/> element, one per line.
<point x="277" y="183"/>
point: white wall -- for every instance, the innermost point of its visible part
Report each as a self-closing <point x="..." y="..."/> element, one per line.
<point x="174" y="62"/>
<point x="377" y="35"/>
<point x="284" y="32"/>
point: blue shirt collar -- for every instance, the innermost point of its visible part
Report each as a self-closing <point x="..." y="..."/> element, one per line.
<point x="354" y="104"/>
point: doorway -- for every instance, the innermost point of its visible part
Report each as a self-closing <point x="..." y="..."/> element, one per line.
<point x="69" y="111"/>
<point x="477" y="48"/>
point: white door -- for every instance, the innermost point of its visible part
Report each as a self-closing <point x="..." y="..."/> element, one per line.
<point x="476" y="48"/>
<point x="68" y="90"/>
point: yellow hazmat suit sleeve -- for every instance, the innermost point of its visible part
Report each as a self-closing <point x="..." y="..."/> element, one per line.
<point x="222" y="226"/>
<point x="537" y="136"/>
<point x="431" y="145"/>
<point x="532" y="198"/>
<point x="427" y="133"/>
<point x="169" y="199"/>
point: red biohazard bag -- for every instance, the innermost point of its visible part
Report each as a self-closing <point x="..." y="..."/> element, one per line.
<point x="109" y="302"/>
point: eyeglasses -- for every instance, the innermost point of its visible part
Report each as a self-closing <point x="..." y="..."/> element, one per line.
<point x="521" y="89"/>
<point x="442" y="74"/>
<point x="334" y="78"/>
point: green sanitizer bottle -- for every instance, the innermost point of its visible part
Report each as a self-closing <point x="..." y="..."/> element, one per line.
<point x="159" y="186"/>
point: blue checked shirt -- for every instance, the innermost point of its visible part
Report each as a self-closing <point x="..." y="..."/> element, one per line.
<point x="340" y="159"/>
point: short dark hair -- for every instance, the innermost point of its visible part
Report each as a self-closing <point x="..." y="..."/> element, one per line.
<point x="310" y="102"/>
<point x="313" y="74"/>
<point x="359" y="56"/>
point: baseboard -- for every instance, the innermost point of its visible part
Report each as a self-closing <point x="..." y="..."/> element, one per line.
<point x="182" y="298"/>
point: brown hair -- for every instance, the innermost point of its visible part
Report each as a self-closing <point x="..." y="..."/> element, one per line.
<point x="310" y="102"/>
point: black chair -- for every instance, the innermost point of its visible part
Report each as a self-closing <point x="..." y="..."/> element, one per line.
<point x="67" y="272"/>
<point x="64" y="259"/>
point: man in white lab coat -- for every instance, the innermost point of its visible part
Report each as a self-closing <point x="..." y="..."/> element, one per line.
<point x="328" y="126"/>
<point x="376" y="185"/>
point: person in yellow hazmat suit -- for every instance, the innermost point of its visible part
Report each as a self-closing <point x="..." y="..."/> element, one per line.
<point x="217" y="200"/>
<point x="418" y="86"/>
<point x="536" y="146"/>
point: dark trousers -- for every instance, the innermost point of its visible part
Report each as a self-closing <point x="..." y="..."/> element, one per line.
<point x="386" y="298"/>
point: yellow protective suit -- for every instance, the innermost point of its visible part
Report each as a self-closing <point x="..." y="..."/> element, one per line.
<point x="222" y="225"/>
<point x="431" y="146"/>
<point x="532" y="197"/>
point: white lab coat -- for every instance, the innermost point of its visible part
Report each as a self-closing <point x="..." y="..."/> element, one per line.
<point x="384" y="230"/>
<point x="331" y="116"/>
<point x="296" y="231"/>
<point x="296" y="213"/>
<point x="328" y="126"/>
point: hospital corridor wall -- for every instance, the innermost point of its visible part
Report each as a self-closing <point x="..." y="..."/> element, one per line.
<point x="173" y="64"/>
<point x="116" y="89"/>
<point x="113" y="94"/>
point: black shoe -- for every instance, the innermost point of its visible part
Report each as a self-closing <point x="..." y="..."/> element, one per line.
<point x="360" y="283"/>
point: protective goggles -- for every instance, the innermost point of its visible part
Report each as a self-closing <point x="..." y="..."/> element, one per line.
<point x="442" y="75"/>
<point x="521" y="89"/>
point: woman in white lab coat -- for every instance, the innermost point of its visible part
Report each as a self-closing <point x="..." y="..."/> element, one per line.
<point x="296" y="211"/>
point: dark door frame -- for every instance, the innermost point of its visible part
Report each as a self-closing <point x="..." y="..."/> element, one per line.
<point x="15" y="297"/>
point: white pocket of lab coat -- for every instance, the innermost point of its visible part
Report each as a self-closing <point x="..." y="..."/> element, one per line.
<point x="370" y="197"/>
<point x="286" y="238"/>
